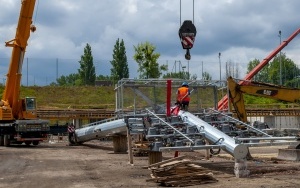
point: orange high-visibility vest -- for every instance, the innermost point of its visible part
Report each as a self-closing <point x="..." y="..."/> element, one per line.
<point x="181" y="92"/>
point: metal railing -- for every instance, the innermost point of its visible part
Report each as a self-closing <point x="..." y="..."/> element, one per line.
<point x="75" y="114"/>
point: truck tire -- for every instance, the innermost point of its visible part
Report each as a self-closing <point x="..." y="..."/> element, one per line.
<point x="6" y="141"/>
<point x="27" y="143"/>
<point x="1" y="140"/>
<point x="35" y="143"/>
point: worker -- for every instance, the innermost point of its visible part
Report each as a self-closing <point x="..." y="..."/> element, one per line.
<point x="71" y="132"/>
<point x="183" y="96"/>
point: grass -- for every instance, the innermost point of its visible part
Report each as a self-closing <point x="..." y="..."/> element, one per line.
<point x="88" y="97"/>
<point x="76" y="97"/>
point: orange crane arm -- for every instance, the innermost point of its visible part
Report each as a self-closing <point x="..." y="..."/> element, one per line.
<point x="11" y="93"/>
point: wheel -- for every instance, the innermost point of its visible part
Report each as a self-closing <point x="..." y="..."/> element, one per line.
<point x="27" y="143"/>
<point x="6" y="141"/>
<point x="35" y="143"/>
<point x="1" y="140"/>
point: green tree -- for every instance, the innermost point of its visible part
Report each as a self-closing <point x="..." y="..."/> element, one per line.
<point x="289" y="70"/>
<point x="87" y="71"/>
<point x="61" y="81"/>
<point x="119" y="63"/>
<point x="181" y="74"/>
<point x="102" y="77"/>
<point x="146" y="58"/>
<point x="262" y="75"/>
<point x="69" y="80"/>
<point x="206" y="76"/>
<point x="271" y="72"/>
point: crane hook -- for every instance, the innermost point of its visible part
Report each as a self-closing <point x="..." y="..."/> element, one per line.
<point x="187" y="33"/>
<point x="187" y="55"/>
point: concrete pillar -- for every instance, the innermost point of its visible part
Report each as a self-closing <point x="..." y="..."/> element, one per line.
<point x="77" y="123"/>
<point x="241" y="169"/>
<point x="154" y="157"/>
<point x="120" y="144"/>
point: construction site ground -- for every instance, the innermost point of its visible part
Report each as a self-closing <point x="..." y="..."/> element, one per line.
<point x="54" y="164"/>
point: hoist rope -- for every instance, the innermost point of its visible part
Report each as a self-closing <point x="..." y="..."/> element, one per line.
<point x="180" y="14"/>
<point x="193" y="12"/>
<point x="37" y="8"/>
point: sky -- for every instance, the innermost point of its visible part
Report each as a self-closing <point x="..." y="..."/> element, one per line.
<point x="241" y="30"/>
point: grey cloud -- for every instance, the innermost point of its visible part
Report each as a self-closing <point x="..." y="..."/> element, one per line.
<point x="240" y="29"/>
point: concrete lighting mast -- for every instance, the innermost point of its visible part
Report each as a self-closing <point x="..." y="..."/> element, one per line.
<point x="280" y="68"/>
<point x="220" y="67"/>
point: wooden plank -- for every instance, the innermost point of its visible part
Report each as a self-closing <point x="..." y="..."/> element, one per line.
<point x="175" y="163"/>
<point x="166" y="161"/>
<point x="186" y="179"/>
<point x="180" y="172"/>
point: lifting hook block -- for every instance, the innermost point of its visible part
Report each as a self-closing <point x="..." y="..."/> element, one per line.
<point x="187" y="33"/>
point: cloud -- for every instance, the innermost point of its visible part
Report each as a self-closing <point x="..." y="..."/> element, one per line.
<point x="240" y="29"/>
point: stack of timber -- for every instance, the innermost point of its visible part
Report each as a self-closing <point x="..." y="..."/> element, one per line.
<point x="180" y="172"/>
<point x="140" y="148"/>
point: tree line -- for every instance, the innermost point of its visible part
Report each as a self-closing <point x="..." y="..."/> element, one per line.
<point x="145" y="56"/>
<point x="281" y="70"/>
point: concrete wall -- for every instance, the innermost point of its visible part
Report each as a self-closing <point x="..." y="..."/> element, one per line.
<point x="278" y="122"/>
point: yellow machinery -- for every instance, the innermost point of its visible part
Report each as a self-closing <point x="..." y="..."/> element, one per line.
<point x="258" y="89"/>
<point x="18" y="117"/>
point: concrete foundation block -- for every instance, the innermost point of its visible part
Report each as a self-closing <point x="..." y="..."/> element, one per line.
<point x="241" y="169"/>
<point x="120" y="144"/>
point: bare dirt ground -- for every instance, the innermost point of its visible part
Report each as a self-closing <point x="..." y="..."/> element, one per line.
<point x="55" y="165"/>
